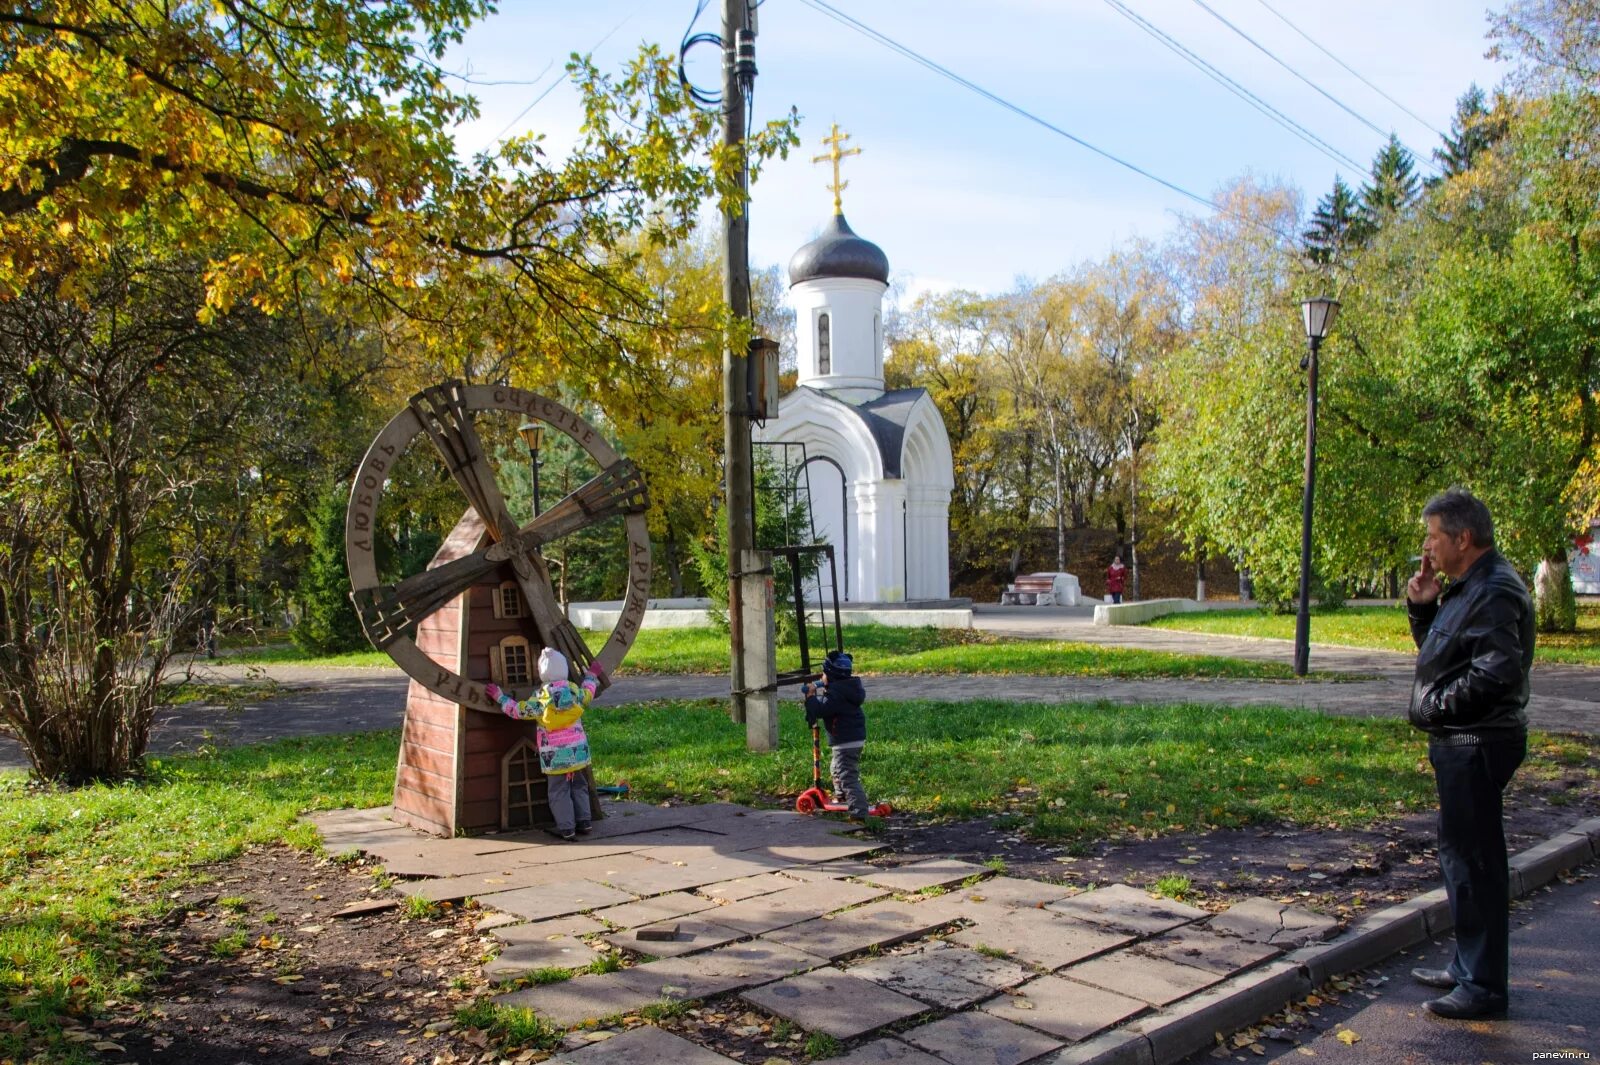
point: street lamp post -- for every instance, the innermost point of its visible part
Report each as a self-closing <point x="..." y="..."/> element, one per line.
<point x="532" y="434"/>
<point x="1320" y="311"/>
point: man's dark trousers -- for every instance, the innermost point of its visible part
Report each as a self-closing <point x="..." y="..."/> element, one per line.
<point x="1472" y="857"/>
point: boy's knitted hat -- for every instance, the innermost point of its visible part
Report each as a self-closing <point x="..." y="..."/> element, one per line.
<point x="838" y="663"/>
<point x="552" y="666"/>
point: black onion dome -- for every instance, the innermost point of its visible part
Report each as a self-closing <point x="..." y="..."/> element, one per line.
<point x="838" y="252"/>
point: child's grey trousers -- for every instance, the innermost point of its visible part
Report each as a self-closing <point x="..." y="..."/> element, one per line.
<point x="846" y="769"/>
<point x="569" y="800"/>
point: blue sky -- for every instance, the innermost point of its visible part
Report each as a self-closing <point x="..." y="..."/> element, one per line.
<point x="960" y="193"/>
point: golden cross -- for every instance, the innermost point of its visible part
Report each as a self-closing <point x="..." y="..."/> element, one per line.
<point x="833" y="156"/>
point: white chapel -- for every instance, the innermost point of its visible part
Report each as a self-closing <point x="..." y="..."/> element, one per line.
<point x="878" y="462"/>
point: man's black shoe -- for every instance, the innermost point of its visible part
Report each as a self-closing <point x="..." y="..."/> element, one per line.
<point x="1434" y="978"/>
<point x="1460" y="1005"/>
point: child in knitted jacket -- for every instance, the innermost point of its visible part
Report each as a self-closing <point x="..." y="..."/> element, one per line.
<point x="557" y="708"/>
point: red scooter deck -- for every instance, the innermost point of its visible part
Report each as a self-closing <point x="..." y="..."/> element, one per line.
<point x="815" y="799"/>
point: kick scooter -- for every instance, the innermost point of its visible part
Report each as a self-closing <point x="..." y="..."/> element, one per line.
<point x="815" y="798"/>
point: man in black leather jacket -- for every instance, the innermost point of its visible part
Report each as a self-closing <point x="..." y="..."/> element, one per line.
<point x="1475" y="646"/>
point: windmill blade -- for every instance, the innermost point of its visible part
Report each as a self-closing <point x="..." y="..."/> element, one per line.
<point x="443" y="414"/>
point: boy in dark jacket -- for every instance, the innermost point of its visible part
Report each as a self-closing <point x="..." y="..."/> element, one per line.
<point x="836" y="702"/>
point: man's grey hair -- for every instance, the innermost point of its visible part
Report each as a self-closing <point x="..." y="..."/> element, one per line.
<point x="1458" y="509"/>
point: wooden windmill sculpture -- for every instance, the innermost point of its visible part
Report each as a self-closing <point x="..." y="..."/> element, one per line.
<point x="483" y="608"/>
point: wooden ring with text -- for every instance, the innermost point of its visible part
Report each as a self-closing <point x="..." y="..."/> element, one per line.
<point x="390" y="613"/>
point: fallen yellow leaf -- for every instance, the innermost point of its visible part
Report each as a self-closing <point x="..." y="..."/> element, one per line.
<point x="1348" y="1038"/>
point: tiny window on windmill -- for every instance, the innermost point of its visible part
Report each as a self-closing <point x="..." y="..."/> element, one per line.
<point x="508" y="600"/>
<point x="511" y="661"/>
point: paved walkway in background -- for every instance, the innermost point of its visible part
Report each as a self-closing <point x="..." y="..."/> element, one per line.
<point x="353" y="699"/>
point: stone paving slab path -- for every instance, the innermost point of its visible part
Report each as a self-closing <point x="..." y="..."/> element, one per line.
<point x="1003" y="892"/>
<point x="822" y="872"/>
<point x="691" y="935"/>
<point x="1128" y="909"/>
<point x="980" y="1039"/>
<point x="947" y="976"/>
<point x="878" y="924"/>
<point x="1207" y="950"/>
<point x="831" y="1001"/>
<point x="1062" y="1008"/>
<point x="1040" y="937"/>
<point x="642" y="1046"/>
<point x="444" y="887"/>
<point x="556" y="899"/>
<point x="654" y="910"/>
<point x="915" y="876"/>
<point x="589" y="997"/>
<point x="1034" y="972"/>
<point x="576" y="924"/>
<point x="1277" y="924"/>
<point x="748" y="887"/>
<point x="1153" y="980"/>
<point x="729" y="968"/>
<point x="887" y="1052"/>
<point x="659" y="876"/>
<point x="804" y="902"/>
<point x="559" y="952"/>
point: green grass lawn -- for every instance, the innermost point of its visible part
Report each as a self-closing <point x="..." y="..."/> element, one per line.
<point x="1382" y="627"/>
<point x="177" y="693"/>
<point x="882" y="649"/>
<point x="78" y="868"/>
<point x="289" y="655"/>
<point x="1070" y="772"/>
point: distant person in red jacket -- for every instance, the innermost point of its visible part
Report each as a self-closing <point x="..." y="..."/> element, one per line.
<point x="1116" y="578"/>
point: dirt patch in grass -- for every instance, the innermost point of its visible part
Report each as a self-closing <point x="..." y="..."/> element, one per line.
<point x="261" y="969"/>
<point x="1333" y="869"/>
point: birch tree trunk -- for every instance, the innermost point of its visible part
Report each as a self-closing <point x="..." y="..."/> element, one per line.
<point x="1555" y="604"/>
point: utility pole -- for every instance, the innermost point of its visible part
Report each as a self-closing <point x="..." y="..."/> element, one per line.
<point x="752" y="665"/>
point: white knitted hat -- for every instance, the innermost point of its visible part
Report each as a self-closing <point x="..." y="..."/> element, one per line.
<point x="552" y="665"/>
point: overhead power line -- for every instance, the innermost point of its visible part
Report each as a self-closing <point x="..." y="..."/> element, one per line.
<point x="1354" y="72"/>
<point x="1264" y="50"/>
<point x="1233" y="86"/>
<point x="548" y="89"/>
<point x="945" y="72"/>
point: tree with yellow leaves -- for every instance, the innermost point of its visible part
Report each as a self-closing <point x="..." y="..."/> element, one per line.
<point x="287" y="155"/>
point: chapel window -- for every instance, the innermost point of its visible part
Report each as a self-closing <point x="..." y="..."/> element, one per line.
<point x="824" y="345"/>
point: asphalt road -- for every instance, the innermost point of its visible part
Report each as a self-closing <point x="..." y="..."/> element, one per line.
<point x="1555" y="1000"/>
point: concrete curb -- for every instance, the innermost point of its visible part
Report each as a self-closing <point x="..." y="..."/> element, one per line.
<point x="1169" y="1035"/>
<point x="1179" y="1030"/>
<point x="1142" y="611"/>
